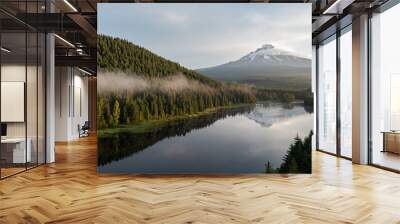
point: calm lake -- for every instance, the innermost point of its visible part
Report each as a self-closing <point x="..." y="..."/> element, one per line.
<point x="239" y="140"/>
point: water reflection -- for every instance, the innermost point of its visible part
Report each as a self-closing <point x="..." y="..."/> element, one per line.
<point x="269" y="113"/>
<point x="123" y="144"/>
<point x="236" y="140"/>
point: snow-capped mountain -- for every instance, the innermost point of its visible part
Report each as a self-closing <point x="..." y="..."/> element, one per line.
<point x="267" y="67"/>
<point x="274" y="56"/>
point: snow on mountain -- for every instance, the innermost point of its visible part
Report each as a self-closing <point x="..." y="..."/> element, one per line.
<point x="267" y="66"/>
<point x="271" y="55"/>
<point x="266" y="51"/>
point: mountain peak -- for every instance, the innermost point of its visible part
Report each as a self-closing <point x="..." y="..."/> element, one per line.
<point x="268" y="52"/>
<point x="267" y="66"/>
<point x="267" y="46"/>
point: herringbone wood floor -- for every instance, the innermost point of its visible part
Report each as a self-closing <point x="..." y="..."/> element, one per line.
<point x="70" y="191"/>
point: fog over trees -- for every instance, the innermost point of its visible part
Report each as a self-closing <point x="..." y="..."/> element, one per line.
<point x="135" y="84"/>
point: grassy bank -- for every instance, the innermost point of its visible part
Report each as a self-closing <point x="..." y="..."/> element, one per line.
<point x="151" y="125"/>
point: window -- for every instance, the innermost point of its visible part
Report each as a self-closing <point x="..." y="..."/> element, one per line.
<point x="346" y="93"/>
<point x="327" y="96"/>
<point x="385" y="89"/>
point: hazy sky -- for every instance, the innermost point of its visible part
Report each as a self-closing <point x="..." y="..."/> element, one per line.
<point x="203" y="35"/>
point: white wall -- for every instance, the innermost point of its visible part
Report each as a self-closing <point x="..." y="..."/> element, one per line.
<point x="360" y="90"/>
<point x="62" y="83"/>
<point x="70" y="83"/>
<point x="80" y="89"/>
<point x="50" y="93"/>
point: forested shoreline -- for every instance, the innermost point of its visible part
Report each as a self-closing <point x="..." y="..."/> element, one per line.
<point x="114" y="110"/>
<point x="126" y="107"/>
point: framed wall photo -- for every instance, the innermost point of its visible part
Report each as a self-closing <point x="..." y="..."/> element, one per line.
<point x="204" y="88"/>
<point x="12" y="101"/>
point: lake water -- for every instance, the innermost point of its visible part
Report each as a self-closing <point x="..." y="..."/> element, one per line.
<point x="240" y="140"/>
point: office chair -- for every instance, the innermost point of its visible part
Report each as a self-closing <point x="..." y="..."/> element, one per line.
<point x="84" y="130"/>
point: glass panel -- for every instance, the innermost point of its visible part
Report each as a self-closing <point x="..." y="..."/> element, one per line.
<point x="385" y="91"/>
<point x="13" y="86"/>
<point x="31" y="98"/>
<point x="41" y="98"/>
<point x="32" y="89"/>
<point x="346" y="94"/>
<point x="23" y="90"/>
<point x="327" y="96"/>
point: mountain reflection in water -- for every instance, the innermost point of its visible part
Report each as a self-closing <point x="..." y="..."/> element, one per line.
<point x="236" y="140"/>
<point x="269" y="113"/>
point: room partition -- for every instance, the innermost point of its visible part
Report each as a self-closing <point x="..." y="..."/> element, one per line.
<point x="22" y="78"/>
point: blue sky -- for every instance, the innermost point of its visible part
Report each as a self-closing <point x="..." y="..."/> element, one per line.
<point x="204" y="35"/>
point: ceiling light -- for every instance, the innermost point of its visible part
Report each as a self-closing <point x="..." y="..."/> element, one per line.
<point x="70" y="5"/>
<point x="79" y="51"/>
<point x="84" y="71"/>
<point x="338" y="6"/>
<point x="5" y="50"/>
<point x="65" y="41"/>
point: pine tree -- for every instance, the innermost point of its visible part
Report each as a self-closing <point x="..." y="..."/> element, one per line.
<point x="116" y="114"/>
<point x="268" y="168"/>
<point x="293" y="168"/>
<point x="100" y="113"/>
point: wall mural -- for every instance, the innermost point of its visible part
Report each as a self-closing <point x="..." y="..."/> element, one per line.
<point x="204" y="88"/>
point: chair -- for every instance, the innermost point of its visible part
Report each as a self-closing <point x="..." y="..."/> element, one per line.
<point x="84" y="130"/>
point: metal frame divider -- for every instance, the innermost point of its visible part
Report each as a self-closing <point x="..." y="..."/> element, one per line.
<point x="37" y="92"/>
<point x="369" y="98"/>
<point x="26" y="86"/>
<point x="317" y="96"/>
<point x="338" y="73"/>
<point x="0" y="97"/>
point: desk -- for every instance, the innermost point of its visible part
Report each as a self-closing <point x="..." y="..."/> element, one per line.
<point x="15" y="148"/>
<point x="391" y="141"/>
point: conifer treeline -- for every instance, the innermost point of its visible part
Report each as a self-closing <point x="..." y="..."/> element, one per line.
<point x="115" y="54"/>
<point x="297" y="158"/>
<point x="287" y="96"/>
<point x="115" y="109"/>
